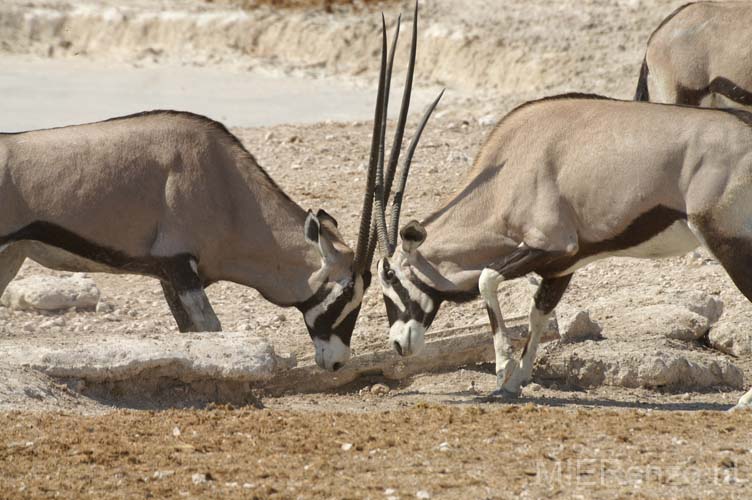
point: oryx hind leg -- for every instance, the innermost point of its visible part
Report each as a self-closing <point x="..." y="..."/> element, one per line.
<point x="11" y="258"/>
<point x="519" y="263"/>
<point x="733" y="249"/>
<point x="547" y="297"/>
<point x="184" y="292"/>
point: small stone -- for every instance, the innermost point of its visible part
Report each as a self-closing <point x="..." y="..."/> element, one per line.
<point x="176" y="431"/>
<point x="487" y="120"/>
<point x="50" y="293"/>
<point x="248" y="486"/>
<point x="580" y="327"/>
<point x="269" y="136"/>
<point x="533" y="387"/>
<point x="201" y="478"/>
<point x="471" y="388"/>
<point x="161" y="474"/>
<point x="444" y="446"/>
<point x="346" y="446"/>
<point x="730" y="338"/>
<point x="390" y="491"/>
<point x="59" y="321"/>
<point x="104" y="307"/>
<point x="294" y="138"/>
<point x="423" y="494"/>
<point x="380" y="389"/>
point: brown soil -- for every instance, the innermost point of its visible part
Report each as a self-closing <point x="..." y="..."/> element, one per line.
<point x="445" y="452"/>
<point x="604" y="441"/>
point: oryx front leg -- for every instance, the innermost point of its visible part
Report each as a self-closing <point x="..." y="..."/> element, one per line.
<point x="519" y="263"/>
<point x="192" y="310"/>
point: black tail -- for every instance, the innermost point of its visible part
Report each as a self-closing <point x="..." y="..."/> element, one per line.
<point x="642" y="93"/>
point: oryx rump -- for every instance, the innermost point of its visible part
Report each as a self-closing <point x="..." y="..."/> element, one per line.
<point x="700" y="55"/>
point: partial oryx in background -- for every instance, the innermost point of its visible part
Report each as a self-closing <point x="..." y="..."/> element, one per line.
<point x="177" y="197"/>
<point x="562" y="182"/>
<point x="700" y="55"/>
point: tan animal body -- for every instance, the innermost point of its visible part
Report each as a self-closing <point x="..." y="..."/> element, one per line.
<point x="176" y="196"/>
<point x="562" y="182"/>
<point x="700" y="55"/>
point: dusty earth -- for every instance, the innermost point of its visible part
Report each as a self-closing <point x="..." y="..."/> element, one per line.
<point x="431" y="435"/>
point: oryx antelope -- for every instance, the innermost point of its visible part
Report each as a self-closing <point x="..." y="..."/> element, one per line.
<point x="700" y="55"/>
<point x="177" y="197"/>
<point x="562" y="182"/>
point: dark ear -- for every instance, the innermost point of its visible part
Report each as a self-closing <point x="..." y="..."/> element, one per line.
<point x="313" y="235"/>
<point x="323" y="215"/>
<point x="312" y="228"/>
<point x="413" y="235"/>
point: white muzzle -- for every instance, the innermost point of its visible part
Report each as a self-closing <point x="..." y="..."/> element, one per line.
<point x="407" y="338"/>
<point x="332" y="354"/>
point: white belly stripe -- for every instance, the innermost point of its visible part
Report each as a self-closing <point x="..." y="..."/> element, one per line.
<point x="675" y="240"/>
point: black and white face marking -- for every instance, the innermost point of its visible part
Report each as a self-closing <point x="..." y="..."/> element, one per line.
<point x="411" y="306"/>
<point x="330" y="316"/>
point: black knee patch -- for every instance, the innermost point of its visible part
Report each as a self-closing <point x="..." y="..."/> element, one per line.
<point x="549" y="293"/>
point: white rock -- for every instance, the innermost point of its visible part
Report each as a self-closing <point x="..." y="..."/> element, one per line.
<point x="634" y="364"/>
<point x="161" y="474"/>
<point x="487" y="120"/>
<point x="709" y="306"/>
<point x="668" y="320"/>
<point x="104" y="307"/>
<point x="346" y="446"/>
<point x="423" y="494"/>
<point x="176" y="431"/>
<point x="200" y="478"/>
<point x="731" y="338"/>
<point x="380" y="389"/>
<point x="579" y="327"/>
<point x="50" y="293"/>
<point x="238" y="356"/>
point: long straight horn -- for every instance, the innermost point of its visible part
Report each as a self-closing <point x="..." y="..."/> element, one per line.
<point x="400" y="130"/>
<point x="378" y="232"/>
<point x="361" y="263"/>
<point x="399" y="193"/>
<point x="385" y="247"/>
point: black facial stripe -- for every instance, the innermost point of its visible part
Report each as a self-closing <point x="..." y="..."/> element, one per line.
<point x="322" y="328"/>
<point x="392" y="311"/>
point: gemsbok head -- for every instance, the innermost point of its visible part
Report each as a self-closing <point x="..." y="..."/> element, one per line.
<point x="177" y="197"/>
<point x="562" y="182"/>
<point x="699" y="56"/>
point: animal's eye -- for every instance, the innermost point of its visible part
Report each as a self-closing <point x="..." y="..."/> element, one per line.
<point x="390" y="275"/>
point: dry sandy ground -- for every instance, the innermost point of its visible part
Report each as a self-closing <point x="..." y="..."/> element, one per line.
<point x="606" y="442"/>
<point x="424" y="452"/>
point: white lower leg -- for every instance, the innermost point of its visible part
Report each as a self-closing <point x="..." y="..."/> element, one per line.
<point x="505" y="363"/>
<point x="538" y="323"/>
<point x="745" y="401"/>
<point x="198" y="308"/>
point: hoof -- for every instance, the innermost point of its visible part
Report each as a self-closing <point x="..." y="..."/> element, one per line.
<point x="504" y="375"/>
<point x="504" y="395"/>
<point x="740" y="407"/>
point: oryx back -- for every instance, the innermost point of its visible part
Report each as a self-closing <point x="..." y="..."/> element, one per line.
<point x="126" y="190"/>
